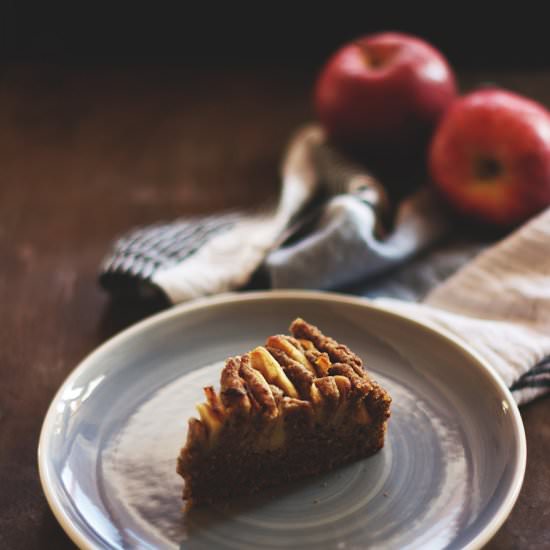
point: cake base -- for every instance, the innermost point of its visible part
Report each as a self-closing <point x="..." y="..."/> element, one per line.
<point x="230" y="470"/>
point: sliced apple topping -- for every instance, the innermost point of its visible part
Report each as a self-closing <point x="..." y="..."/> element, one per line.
<point x="308" y="374"/>
<point x="327" y="390"/>
<point x="300" y="376"/>
<point x="258" y="386"/>
<point x="316" y="397"/>
<point x="264" y="362"/>
<point x="323" y="364"/>
<point x="292" y="349"/>
<point x="320" y="408"/>
<point x="215" y="403"/>
<point x="233" y="390"/>
<point x="361" y="413"/>
<point x="273" y="434"/>
<point x="278" y="434"/>
<point x="344" y="387"/>
<point x="358" y="382"/>
<point x="211" y="420"/>
<point x="338" y="353"/>
<point x="307" y="345"/>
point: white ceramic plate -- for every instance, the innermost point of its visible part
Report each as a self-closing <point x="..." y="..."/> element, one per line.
<point x="448" y="476"/>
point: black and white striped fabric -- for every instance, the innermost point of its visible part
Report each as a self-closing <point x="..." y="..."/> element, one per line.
<point x="537" y="378"/>
<point x="196" y="257"/>
<point x="137" y="256"/>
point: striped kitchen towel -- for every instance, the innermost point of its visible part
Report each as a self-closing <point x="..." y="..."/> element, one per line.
<point x="499" y="304"/>
<point x="343" y="206"/>
<point x="201" y="256"/>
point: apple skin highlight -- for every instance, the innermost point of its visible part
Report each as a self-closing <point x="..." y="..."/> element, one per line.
<point x="490" y="157"/>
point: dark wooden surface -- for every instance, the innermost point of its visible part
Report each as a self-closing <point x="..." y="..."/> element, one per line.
<point x="86" y="154"/>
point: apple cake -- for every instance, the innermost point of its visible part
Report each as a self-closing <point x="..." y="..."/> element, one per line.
<point x="298" y="406"/>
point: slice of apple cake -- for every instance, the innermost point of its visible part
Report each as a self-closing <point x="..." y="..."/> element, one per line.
<point x="298" y="406"/>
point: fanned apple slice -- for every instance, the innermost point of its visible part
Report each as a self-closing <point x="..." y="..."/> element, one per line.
<point x="264" y="362"/>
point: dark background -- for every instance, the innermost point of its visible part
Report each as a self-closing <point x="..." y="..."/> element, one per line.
<point x="473" y="35"/>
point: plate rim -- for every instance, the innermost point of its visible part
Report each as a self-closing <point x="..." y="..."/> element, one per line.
<point x="83" y="541"/>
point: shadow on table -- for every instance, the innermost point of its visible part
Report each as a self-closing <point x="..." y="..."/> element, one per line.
<point x="122" y="312"/>
<point x="205" y="527"/>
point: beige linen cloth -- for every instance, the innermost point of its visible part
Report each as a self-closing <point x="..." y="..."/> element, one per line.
<point x="499" y="304"/>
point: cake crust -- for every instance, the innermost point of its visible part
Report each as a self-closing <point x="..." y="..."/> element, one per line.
<point x="300" y="405"/>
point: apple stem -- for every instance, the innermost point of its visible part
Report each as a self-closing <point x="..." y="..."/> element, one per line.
<point x="488" y="168"/>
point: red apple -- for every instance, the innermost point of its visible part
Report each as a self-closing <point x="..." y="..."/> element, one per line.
<point x="490" y="157"/>
<point x="384" y="92"/>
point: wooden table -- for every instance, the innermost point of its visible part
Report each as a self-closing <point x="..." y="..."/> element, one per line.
<point x="86" y="154"/>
